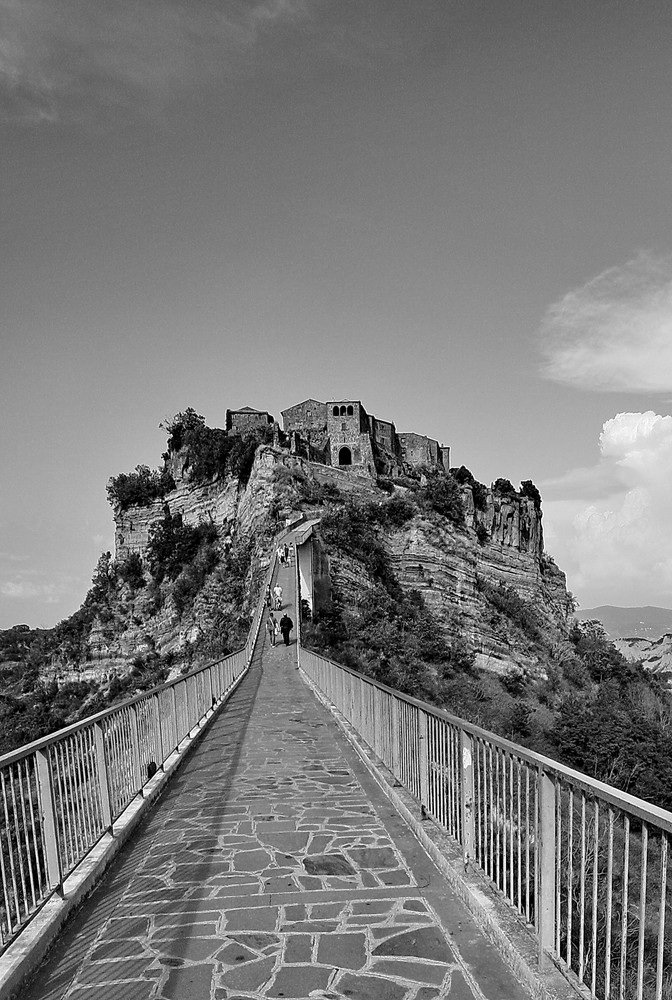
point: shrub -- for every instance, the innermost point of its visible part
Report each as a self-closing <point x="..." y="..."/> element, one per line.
<point x="140" y="488"/>
<point x="442" y="494"/>
<point x="528" y="489"/>
<point x="172" y="544"/>
<point x="212" y="451"/>
<point x="478" y="490"/>
<point x="130" y="571"/>
<point x="504" y="487"/>
<point x="482" y="533"/>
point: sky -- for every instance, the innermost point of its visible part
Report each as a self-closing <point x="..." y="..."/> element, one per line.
<point x="457" y="211"/>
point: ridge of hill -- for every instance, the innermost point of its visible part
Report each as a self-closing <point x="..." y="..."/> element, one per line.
<point x="648" y="622"/>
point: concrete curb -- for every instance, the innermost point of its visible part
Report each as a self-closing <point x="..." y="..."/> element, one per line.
<point x="495" y="917"/>
<point x="27" y="952"/>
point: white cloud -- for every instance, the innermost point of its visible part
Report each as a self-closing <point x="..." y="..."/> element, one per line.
<point x="58" y="57"/>
<point x="617" y="548"/>
<point x="614" y="333"/>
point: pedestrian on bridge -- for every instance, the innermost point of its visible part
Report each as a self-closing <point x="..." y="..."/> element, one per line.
<point x="286" y="626"/>
<point x="277" y="591"/>
<point x="271" y="628"/>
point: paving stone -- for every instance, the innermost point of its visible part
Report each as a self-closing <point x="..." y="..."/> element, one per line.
<point x="257" y="940"/>
<point x="299" y="948"/>
<point x="374" y="857"/>
<point x="259" y="918"/>
<point x="127" y="927"/>
<point x="421" y="972"/>
<point x="398" y="877"/>
<point x="328" y="864"/>
<point x="136" y="989"/>
<point x="118" y="948"/>
<point x="299" y="981"/>
<point x="190" y="981"/>
<point x="234" y="953"/>
<point x="111" y="972"/>
<point x="190" y="948"/>
<point x="369" y="988"/>
<point x="425" y="942"/>
<point x="415" y="905"/>
<point x="373" y="906"/>
<point x="344" y="951"/>
<point x="251" y="861"/>
<point x="248" y="977"/>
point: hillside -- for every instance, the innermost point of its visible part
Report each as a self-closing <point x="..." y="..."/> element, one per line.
<point x="620" y="623"/>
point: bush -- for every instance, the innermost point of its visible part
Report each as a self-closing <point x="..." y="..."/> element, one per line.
<point x="130" y="571"/>
<point x="528" y="489"/>
<point x="212" y="451"/>
<point x="172" y="544"/>
<point x="442" y="494"/>
<point x="478" y="490"/>
<point x="504" y="487"/>
<point x="140" y="488"/>
<point x="482" y="533"/>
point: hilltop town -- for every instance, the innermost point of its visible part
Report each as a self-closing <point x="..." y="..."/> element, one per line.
<point x="341" y="433"/>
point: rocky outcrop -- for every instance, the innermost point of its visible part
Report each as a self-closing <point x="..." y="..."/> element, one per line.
<point x="655" y="654"/>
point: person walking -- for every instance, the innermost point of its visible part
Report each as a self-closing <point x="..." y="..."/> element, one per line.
<point x="286" y="626"/>
<point x="286" y="554"/>
<point x="281" y="555"/>
<point x="277" y="591"/>
<point x="272" y="629"/>
<point x="267" y="597"/>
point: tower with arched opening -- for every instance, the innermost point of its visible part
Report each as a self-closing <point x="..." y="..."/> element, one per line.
<point x="349" y="432"/>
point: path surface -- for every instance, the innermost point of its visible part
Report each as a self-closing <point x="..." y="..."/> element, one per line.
<point x="273" y="866"/>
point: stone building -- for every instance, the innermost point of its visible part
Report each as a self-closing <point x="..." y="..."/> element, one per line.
<point x="247" y="419"/>
<point x="341" y="433"/>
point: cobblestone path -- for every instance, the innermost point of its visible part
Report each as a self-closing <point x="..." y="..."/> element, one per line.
<point x="273" y="866"/>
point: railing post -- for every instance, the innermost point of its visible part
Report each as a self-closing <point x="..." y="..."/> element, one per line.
<point x="423" y="752"/>
<point x="135" y="744"/>
<point x="547" y="887"/>
<point x="396" y="754"/>
<point x="103" y="778"/>
<point x="159" y="734"/>
<point x="467" y="798"/>
<point x="173" y="699"/>
<point x="50" y="836"/>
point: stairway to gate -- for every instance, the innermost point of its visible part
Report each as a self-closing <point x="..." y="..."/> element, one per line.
<point x="273" y="866"/>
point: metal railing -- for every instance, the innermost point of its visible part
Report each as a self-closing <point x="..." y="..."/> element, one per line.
<point x="584" y="864"/>
<point x="60" y="794"/>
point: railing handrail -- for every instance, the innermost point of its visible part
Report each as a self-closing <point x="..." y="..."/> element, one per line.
<point x="644" y="810"/>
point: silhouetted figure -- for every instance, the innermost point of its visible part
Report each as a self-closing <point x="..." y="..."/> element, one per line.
<point x="272" y="629"/>
<point x="286" y="626"/>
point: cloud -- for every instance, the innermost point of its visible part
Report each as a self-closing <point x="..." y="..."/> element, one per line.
<point x="617" y="548"/>
<point x="615" y="333"/>
<point x="60" y="58"/>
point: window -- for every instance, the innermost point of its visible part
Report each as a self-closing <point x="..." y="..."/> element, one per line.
<point x="335" y="411"/>
<point x="350" y="411"/>
<point x="345" y="457"/>
<point x="342" y="411"/>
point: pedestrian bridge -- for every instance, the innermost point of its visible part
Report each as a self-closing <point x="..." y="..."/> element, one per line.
<point x="276" y="825"/>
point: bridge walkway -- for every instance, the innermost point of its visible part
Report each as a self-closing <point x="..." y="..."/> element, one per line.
<point x="273" y="866"/>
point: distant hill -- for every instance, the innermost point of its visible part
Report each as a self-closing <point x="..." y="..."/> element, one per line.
<point x="621" y="623"/>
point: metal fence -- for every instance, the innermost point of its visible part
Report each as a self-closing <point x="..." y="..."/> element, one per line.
<point x="584" y="864"/>
<point x="61" y="794"/>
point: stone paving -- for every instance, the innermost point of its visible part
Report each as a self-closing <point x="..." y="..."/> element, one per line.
<point x="273" y="866"/>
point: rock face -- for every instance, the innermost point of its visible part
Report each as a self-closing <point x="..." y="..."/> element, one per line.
<point x="655" y="654"/>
